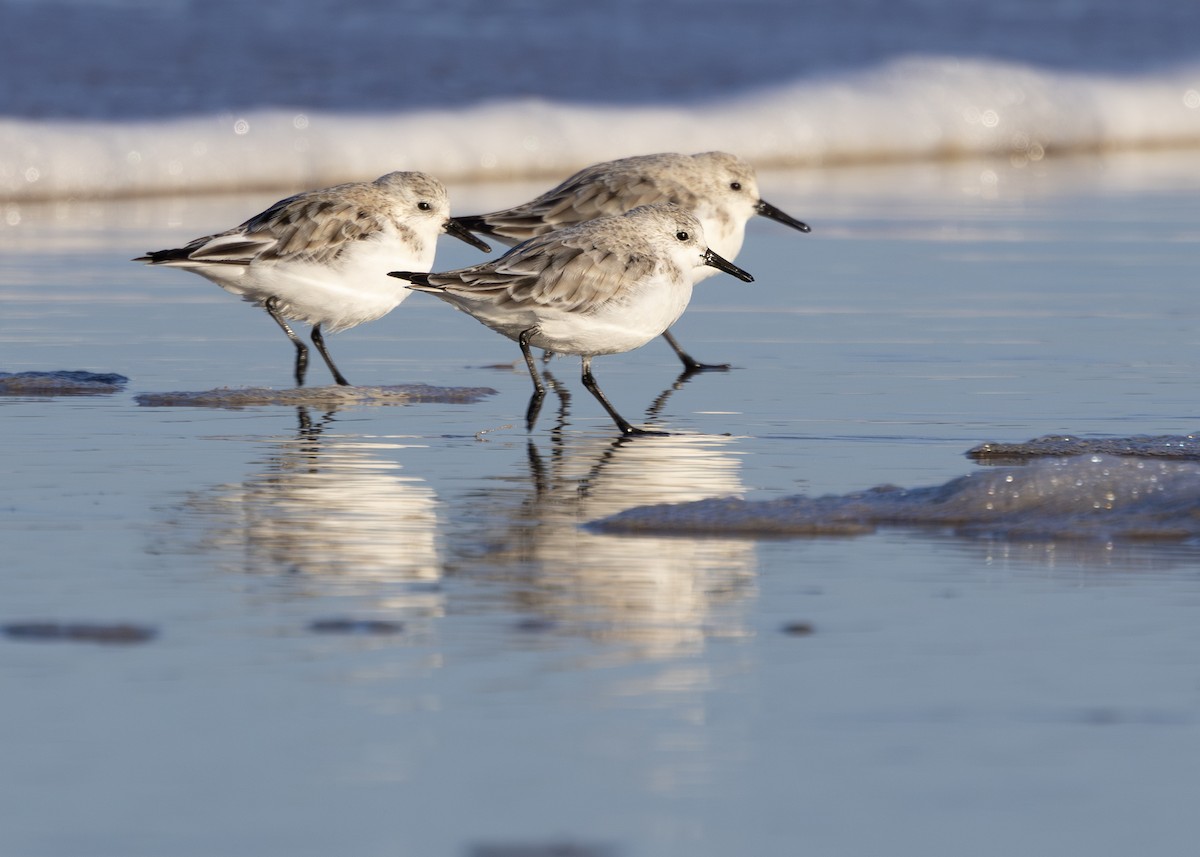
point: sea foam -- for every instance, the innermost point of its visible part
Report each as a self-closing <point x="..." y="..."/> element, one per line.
<point x="1091" y="497"/>
<point x="913" y="108"/>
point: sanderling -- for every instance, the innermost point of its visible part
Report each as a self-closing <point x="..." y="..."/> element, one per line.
<point x="605" y="286"/>
<point x="719" y="188"/>
<point x="321" y="257"/>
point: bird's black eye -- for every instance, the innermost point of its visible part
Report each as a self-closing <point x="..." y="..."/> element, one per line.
<point x="735" y="185"/>
<point x="682" y="235"/>
<point x="424" y="206"/>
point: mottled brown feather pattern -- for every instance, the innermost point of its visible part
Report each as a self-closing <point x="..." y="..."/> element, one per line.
<point x="599" y="190"/>
<point x="565" y="270"/>
<point x="314" y="227"/>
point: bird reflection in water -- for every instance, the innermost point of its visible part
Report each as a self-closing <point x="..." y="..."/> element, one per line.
<point x="336" y="517"/>
<point x="659" y="596"/>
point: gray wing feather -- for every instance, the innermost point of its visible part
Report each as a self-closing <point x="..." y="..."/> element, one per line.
<point x="570" y="275"/>
<point x="315" y="227"/>
<point x="592" y="192"/>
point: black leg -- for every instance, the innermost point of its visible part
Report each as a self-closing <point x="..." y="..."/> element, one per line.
<point x="691" y="364"/>
<point x="539" y="391"/>
<point x="623" y="424"/>
<point x="271" y="305"/>
<point x="319" y="341"/>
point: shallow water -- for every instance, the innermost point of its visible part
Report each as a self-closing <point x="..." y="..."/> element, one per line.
<point x="530" y="683"/>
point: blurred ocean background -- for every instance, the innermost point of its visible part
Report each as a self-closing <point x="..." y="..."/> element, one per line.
<point x="105" y="98"/>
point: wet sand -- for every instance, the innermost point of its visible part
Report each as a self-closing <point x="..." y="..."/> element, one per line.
<point x="383" y="629"/>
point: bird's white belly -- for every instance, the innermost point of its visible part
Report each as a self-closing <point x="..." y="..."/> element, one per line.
<point x="354" y="290"/>
<point x="615" y="327"/>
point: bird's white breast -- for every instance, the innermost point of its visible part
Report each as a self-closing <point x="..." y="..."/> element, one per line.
<point x="640" y="313"/>
<point x="352" y="289"/>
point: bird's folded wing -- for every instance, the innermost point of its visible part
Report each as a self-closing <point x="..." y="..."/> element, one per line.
<point x="573" y="276"/>
<point x="593" y="192"/>
<point x="313" y="228"/>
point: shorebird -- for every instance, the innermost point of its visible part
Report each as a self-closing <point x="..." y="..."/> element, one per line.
<point x="718" y="188"/>
<point x="321" y="257"/>
<point x="605" y="286"/>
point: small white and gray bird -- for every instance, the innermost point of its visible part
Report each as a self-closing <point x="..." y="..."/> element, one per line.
<point x="605" y="286"/>
<point x="322" y="257"/>
<point x="720" y="189"/>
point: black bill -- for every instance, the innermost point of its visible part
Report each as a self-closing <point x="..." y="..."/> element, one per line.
<point x="462" y="233"/>
<point x="767" y="210"/>
<point x="721" y="264"/>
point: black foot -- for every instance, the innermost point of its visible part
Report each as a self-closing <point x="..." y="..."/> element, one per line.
<point x="690" y="364"/>
<point x="692" y="367"/>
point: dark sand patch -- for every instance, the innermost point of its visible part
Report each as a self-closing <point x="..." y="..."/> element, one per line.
<point x="342" y="625"/>
<point x="79" y="632"/>
<point x="330" y="396"/>
<point x="1144" y="446"/>
<point x="62" y="382"/>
